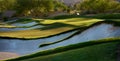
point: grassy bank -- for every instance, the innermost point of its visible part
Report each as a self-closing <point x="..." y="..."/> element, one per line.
<point x="103" y="50"/>
<point x="53" y="27"/>
<point x="56" y="27"/>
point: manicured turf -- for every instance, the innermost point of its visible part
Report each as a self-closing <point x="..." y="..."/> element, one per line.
<point x="98" y="50"/>
<point x="52" y="27"/>
<point x="102" y="52"/>
<point x="3" y="25"/>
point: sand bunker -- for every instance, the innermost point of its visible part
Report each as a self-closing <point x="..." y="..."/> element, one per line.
<point x="7" y="55"/>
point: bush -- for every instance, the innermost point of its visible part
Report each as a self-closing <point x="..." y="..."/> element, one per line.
<point x="98" y="6"/>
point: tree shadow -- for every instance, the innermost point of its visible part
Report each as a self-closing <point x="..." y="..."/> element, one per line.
<point x="96" y="16"/>
<point x="57" y="25"/>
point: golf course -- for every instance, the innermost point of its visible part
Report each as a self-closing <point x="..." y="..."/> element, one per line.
<point x="60" y="30"/>
<point x="76" y="38"/>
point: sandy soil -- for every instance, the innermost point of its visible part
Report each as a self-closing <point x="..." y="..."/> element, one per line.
<point x="7" y="55"/>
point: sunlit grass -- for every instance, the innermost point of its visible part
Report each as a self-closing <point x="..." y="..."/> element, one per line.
<point x="3" y="25"/>
<point x="51" y="28"/>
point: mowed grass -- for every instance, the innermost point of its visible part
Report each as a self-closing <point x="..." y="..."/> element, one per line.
<point x="52" y="27"/>
<point x="55" y="26"/>
<point x="97" y="50"/>
<point x="102" y="52"/>
<point x="7" y="26"/>
<point x="3" y="25"/>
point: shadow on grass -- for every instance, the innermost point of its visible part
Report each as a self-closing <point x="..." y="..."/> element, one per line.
<point x="78" y="19"/>
<point x="97" y="16"/>
<point x="108" y="21"/>
<point x="57" y="25"/>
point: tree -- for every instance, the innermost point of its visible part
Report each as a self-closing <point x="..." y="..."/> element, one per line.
<point x="99" y="6"/>
<point x="24" y="7"/>
<point x="38" y="7"/>
<point x="7" y="5"/>
<point x="32" y="7"/>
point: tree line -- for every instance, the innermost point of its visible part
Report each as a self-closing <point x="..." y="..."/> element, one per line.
<point x="44" y="7"/>
<point x="32" y="7"/>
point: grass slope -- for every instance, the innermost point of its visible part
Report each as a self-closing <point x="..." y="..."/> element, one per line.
<point x="102" y="52"/>
<point x="97" y="50"/>
<point x="53" y="27"/>
<point x="81" y="29"/>
<point x="57" y="25"/>
<point x="3" y="25"/>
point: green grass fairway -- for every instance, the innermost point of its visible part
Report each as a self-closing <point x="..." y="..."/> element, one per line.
<point x="101" y="52"/>
<point x="52" y="27"/>
<point x="56" y="25"/>
<point x="94" y="50"/>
